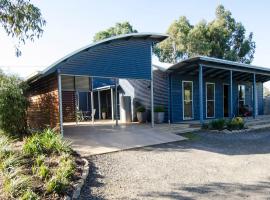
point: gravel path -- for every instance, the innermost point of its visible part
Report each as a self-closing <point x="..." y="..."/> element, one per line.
<point x="217" y="166"/>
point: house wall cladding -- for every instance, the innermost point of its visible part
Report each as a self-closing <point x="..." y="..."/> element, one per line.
<point x="121" y="58"/>
<point x="177" y="102"/>
<point x="140" y="93"/>
<point x="43" y="108"/>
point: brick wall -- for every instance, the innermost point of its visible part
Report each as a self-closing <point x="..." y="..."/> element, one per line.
<point x="69" y="106"/>
<point x="43" y="110"/>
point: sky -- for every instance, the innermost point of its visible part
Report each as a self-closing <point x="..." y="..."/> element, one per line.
<point x="72" y="25"/>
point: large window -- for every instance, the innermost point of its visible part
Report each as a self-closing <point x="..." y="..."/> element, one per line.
<point x="241" y="98"/>
<point x="210" y="100"/>
<point x="187" y="92"/>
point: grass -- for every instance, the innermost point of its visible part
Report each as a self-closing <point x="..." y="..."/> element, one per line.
<point x="43" y="166"/>
<point x="191" y="136"/>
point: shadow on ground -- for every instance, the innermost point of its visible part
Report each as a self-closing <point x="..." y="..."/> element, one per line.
<point x="228" y="144"/>
<point x="259" y="190"/>
<point x="94" y="180"/>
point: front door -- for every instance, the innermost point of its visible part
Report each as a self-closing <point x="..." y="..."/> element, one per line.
<point x="187" y="92"/>
<point x="226" y="100"/>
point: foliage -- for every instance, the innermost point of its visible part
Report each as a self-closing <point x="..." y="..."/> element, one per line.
<point x="118" y="29"/>
<point x="223" y="38"/>
<point x="159" y="109"/>
<point x="51" y="161"/>
<point x="236" y="123"/>
<point x="29" y="195"/>
<point x="13" y="105"/>
<point x="22" y="20"/>
<point x="46" y="142"/>
<point x="217" y="124"/>
<point x="140" y="109"/>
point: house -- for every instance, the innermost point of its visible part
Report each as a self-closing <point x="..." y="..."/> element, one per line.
<point x="87" y="81"/>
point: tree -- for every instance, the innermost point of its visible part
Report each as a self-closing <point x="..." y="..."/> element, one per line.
<point x="221" y="38"/>
<point x="13" y="105"/>
<point x="118" y="29"/>
<point x="22" y="20"/>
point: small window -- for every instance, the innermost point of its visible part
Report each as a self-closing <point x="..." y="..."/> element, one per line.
<point x="82" y="83"/>
<point x="210" y="100"/>
<point x="67" y="83"/>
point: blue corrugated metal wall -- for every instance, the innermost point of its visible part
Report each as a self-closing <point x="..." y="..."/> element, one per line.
<point x="121" y="58"/>
<point x="177" y="103"/>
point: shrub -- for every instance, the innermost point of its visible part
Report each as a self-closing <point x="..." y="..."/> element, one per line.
<point x="46" y="142"/>
<point x="140" y="109"/>
<point x="236" y="123"/>
<point x="205" y="126"/>
<point x="56" y="184"/>
<point x="13" y="105"/>
<point x="29" y="195"/>
<point x="159" y="109"/>
<point x="217" y="124"/>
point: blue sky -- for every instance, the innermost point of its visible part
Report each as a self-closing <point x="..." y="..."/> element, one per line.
<point x="72" y="24"/>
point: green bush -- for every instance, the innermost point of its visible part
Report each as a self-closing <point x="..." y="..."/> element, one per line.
<point x="217" y="124"/>
<point x="236" y="123"/>
<point x="13" y="105"/>
<point x="140" y="109"/>
<point x="46" y="142"/>
<point x="29" y="195"/>
<point x="56" y="184"/>
<point x="159" y="109"/>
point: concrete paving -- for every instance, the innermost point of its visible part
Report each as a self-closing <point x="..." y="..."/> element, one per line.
<point x="98" y="139"/>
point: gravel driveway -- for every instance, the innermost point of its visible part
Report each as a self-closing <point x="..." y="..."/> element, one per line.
<point x="216" y="166"/>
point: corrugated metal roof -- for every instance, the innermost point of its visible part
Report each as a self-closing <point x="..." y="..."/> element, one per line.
<point x="192" y="60"/>
<point x="156" y="37"/>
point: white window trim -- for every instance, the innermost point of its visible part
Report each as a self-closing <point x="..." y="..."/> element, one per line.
<point x="206" y="100"/>
<point x="223" y="99"/>
<point x="191" y="118"/>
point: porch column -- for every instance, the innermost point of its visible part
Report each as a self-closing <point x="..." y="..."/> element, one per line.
<point x="152" y="100"/>
<point x="116" y="107"/>
<point x="112" y="104"/>
<point x="201" y="92"/>
<point x="60" y="104"/>
<point x="231" y="94"/>
<point x="92" y="101"/>
<point x="99" y="106"/>
<point x="254" y="96"/>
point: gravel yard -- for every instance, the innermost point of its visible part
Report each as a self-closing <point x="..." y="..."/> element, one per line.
<point x="215" y="166"/>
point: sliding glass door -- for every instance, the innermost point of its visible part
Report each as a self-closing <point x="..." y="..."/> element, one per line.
<point x="187" y="92"/>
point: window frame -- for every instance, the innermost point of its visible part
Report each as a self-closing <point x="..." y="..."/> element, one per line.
<point x="213" y="100"/>
<point x="183" y="101"/>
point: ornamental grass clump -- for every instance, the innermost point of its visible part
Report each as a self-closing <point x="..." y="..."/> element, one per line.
<point x="236" y="123"/>
<point x="218" y="124"/>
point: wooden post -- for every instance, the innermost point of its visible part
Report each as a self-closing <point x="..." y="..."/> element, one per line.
<point x="254" y="96"/>
<point x="231" y="94"/>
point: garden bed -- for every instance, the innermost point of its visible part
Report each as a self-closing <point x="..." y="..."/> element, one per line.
<point x="41" y="166"/>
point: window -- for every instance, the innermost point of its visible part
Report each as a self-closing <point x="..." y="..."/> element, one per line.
<point x="82" y="83"/>
<point x="241" y="98"/>
<point x="210" y="100"/>
<point x="187" y="93"/>
<point x="67" y="83"/>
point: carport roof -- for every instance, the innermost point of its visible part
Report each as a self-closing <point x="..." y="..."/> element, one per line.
<point x="216" y="66"/>
<point x="155" y="37"/>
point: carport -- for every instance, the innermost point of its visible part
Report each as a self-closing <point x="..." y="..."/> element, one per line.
<point x="121" y="57"/>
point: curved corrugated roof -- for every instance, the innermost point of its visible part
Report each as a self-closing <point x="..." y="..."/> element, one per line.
<point x="156" y="37"/>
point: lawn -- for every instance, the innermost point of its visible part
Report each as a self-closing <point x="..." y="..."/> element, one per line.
<point x="41" y="166"/>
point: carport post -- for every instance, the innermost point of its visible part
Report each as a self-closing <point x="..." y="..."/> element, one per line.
<point x="60" y="104"/>
<point x="92" y="102"/>
<point x="99" y="106"/>
<point x="152" y="92"/>
<point x="254" y="96"/>
<point x="112" y="104"/>
<point x="116" y="107"/>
